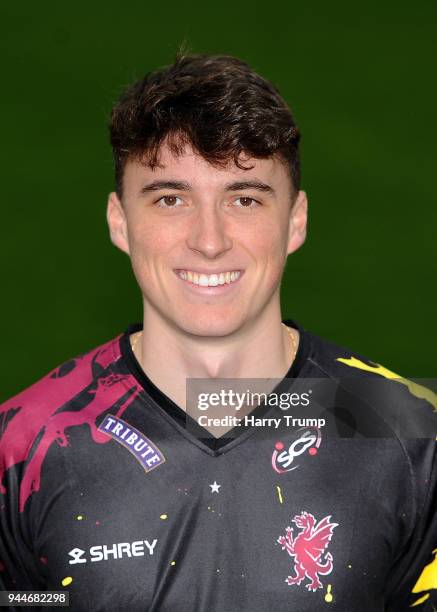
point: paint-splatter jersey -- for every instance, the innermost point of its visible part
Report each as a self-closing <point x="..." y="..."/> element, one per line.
<point x="108" y="490"/>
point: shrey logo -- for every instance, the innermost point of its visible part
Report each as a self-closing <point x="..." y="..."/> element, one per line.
<point x="147" y="453"/>
<point x="114" y="551"/>
<point x="307" y="439"/>
<point x="307" y="549"/>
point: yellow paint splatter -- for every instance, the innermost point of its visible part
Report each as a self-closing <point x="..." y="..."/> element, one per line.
<point x="80" y="517"/>
<point x="173" y="563"/>
<point x="414" y="388"/>
<point x="328" y="596"/>
<point x="428" y="578"/>
<point x="278" y="488"/>
<point x="163" y="517"/>
<point x="67" y="580"/>
<point x="420" y="600"/>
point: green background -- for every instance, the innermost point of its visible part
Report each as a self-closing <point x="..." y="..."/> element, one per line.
<point x="361" y="82"/>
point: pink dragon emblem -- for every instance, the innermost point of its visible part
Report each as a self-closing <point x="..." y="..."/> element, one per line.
<point x="307" y="549"/>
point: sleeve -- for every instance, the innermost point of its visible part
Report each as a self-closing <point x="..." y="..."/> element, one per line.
<point x="17" y="563"/>
<point x="412" y="582"/>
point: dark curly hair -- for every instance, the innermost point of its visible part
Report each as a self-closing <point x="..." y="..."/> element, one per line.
<point x="215" y="103"/>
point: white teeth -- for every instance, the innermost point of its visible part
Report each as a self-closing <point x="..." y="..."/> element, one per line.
<point x="211" y="280"/>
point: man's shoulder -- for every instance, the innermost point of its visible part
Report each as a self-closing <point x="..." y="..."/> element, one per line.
<point x="75" y="394"/>
<point x="58" y="387"/>
<point x="406" y="403"/>
<point x="336" y="360"/>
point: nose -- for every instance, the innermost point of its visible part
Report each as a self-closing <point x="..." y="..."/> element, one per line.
<point x="208" y="234"/>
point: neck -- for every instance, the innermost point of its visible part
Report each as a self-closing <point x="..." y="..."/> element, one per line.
<point x="259" y="349"/>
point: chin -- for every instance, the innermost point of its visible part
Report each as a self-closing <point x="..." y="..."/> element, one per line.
<point x="207" y="325"/>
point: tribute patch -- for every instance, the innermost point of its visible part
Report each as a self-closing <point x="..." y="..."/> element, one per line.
<point x="147" y="453"/>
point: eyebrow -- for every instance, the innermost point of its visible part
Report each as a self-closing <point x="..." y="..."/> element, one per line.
<point x="257" y="185"/>
<point x="157" y="185"/>
<point x="184" y="186"/>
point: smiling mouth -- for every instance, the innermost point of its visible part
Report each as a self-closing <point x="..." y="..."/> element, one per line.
<point x="210" y="280"/>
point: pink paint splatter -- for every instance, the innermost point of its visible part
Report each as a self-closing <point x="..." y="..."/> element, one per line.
<point x="36" y="411"/>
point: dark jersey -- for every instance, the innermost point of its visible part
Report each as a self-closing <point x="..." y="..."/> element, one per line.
<point x="110" y="491"/>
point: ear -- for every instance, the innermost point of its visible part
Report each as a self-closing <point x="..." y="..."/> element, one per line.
<point x="116" y="217"/>
<point x="298" y="222"/>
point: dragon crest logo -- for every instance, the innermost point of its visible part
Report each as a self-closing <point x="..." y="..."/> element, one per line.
<point x="307" y="549"/>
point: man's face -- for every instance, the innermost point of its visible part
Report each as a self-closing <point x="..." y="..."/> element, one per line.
<point x="208" y="245"/>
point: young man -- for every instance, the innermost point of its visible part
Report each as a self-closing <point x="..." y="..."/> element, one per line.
<point x="118" y="490"/>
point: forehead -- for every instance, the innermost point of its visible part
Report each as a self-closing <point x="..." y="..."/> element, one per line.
<point x="193" y="168"/>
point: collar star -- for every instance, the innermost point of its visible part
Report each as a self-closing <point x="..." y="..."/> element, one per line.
<point x="215" y="487"/>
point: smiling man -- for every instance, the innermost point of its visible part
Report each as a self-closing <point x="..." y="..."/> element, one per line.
<point x="141" y="475"/>
<point x="208" y="247"/>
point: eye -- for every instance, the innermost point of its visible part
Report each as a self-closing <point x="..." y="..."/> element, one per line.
<point x="169" y="201"/>
<point x="247" y="202"/>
